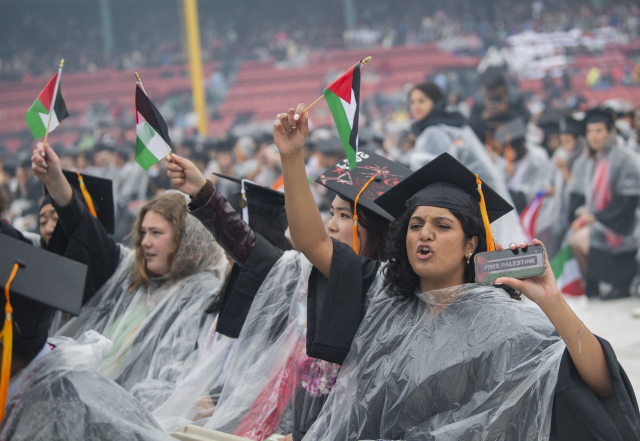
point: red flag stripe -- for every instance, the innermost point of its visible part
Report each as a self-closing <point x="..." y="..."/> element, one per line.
<point x="46" y="96"/>
<point x="343" y="85"/>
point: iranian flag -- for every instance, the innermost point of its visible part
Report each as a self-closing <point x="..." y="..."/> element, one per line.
<point x="38" y="114"/>
<point x="152" y="133"/>
<point x="567" y="272"/>
<point x="343" y="97"/>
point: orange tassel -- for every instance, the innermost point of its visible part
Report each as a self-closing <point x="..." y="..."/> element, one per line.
<point x="87" y="196"/>
<point x="7" y="340"/>
<point x="355" y="216"/>
<point x="485" y="218"/>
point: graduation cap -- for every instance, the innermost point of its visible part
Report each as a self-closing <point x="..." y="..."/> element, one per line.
<point x="597" y="115"/>
<point x="511" y="131"/>
<point x="372" y="176"/>
<point x="225" y="144"/>
<point x="35" y="283"/>
<point x="493" y="77"/>
<point x="257" y="201"/>
<point x="445" y="182"/>
<point x="571" y="126"/>
<point x="98" y="195"/>
<point x="550" y="121"/>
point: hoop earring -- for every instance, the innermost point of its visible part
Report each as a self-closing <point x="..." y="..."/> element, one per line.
<point x="469" y="258"/>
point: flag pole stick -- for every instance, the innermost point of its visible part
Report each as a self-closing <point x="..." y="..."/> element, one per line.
<point x="139" y="81"/>
<point x="53" y="102"/>
<point x="364" y="62"/>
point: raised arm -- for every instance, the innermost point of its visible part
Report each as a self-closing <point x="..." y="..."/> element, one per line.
<point x="308" y="233"/>
<point x="584" y="348"/>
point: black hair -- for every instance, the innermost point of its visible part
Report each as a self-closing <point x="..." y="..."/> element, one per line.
<point x="270" y="231"/>
<point x="400" y="278"/>
<point x="4" y="200"/>
<point x="376" y="227"/>
<point x="431" y="90"/>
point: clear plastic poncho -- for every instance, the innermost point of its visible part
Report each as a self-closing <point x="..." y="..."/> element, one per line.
<point x="154" y="328"/>
<point x="467" y="362"/>
<point x="66" y="398"/>
<point x="464" y="145"/>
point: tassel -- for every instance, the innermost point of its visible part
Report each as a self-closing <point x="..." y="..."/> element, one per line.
<point x="7" y="341"/>
<point x="355" y="216"/>
<point x="485" y="217"/>
<point x="87" y="196"/>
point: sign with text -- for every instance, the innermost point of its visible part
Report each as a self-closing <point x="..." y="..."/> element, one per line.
<point x="490" y="266"/>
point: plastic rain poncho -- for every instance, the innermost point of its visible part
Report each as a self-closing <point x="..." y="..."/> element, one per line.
<point x="464" y="145"/>
<point x="466" y="362"/>
<point x="154" y="328"/>
<point x="66" y="398"/>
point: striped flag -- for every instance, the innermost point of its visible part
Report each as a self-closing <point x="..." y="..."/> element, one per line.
<point x="343" y="98"/>
<point x="38" y="114"/>
<point x="567" y="272"/>
<point x="529" y="215"/>
<point x="152" y="133"/>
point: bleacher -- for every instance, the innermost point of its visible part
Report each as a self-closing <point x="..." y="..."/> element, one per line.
<point x="83" y="89"/>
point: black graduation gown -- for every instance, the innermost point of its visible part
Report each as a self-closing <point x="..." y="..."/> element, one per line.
<point x="335" y="311"/>
<point x="81" y="237"/>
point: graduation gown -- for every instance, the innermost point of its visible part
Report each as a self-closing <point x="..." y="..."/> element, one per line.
<point x="484" y="367"/>
<point x="607" y="185"/>
<point x="64" y="397"/>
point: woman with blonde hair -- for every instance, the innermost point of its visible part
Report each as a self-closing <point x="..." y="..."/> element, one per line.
<point x="152" y="306"/>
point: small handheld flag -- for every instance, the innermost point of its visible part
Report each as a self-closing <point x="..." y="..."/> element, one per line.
<point x="529" y="215"/>
<point x="48" y="110"/>
<point x="567" y="273"/>
<point x="152" y="134"/>
<point x="343" y="98"/>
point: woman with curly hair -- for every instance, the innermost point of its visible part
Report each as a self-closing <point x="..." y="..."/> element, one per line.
<point x="425" y="352"/>
<point x="149" y="301"/>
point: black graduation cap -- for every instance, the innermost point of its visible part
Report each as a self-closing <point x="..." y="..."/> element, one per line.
<point x="101" y="192"/>
<point x="512" y="130"/>
<point x="597" y="114"/>
<point x="571" y="126"/>
<point x="550" y="121"/>
<point x="260" y="201"/>
<point x="387" y="174"/>
<point x="43" y="283"/>
<point x="330" y="146"/>
<point x="225" y="144"/>
<point x="444" y="182"/>
<point x="493" y="77"/>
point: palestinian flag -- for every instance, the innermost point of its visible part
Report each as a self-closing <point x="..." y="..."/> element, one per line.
<point x="152" y="141"/>
<point x="343" y="97"/>
<point x="38" y="114"/>
<point x="567" y="272"/>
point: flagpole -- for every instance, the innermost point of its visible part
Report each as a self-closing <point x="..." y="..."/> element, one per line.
<point x="53" y="101"/>
<point x="139" y="81"/>
<point x="364" y="62"/>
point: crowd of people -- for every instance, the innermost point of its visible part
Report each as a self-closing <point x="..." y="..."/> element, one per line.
<point x="231" y="32"/>
<point x="350" y="312"/>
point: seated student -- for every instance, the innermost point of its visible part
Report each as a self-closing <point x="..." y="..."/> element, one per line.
<point x="437" y="356"/>
<point x="55" y="391"/>
<point x="253" y="400"/>
<point x="604" y="191"/>
<point x="152" y="305"/>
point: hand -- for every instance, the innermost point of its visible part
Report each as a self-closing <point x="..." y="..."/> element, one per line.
<point x="582" y="221"/>
<point x="287" y="438"/>
<point x="537" y="289"/>
<point x="46" y="165"/>
<point x="204" y="407"/>
<point x="560" y="163"/>
<point x="551" y="190"/>
<point x="290" y="131"/>
<point x="185" y="176"/>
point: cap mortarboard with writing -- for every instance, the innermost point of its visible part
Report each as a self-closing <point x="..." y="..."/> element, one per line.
<point x="386" y="174"/>
<point x="100" y="193"/>
<point x="571" y="126"/>
<point x="597" y="115"/>
<point x="258" y="201"/>
<point x="445" y="182"/>
<point x="511" y="131"/>
<point x="43" y="283"/>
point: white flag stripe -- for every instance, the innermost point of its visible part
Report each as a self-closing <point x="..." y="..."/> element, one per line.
<point x="570" y="273"/>
<point x="350" y="109"/>
<point x="54" y="120"/>
<point x="156" y="144"/>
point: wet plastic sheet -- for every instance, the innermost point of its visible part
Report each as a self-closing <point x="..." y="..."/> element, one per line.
<point x="463" y="363"/>
<point x="155" y="328"/>
<point x="66" y="398"/>
<point x="464" y="145"/>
